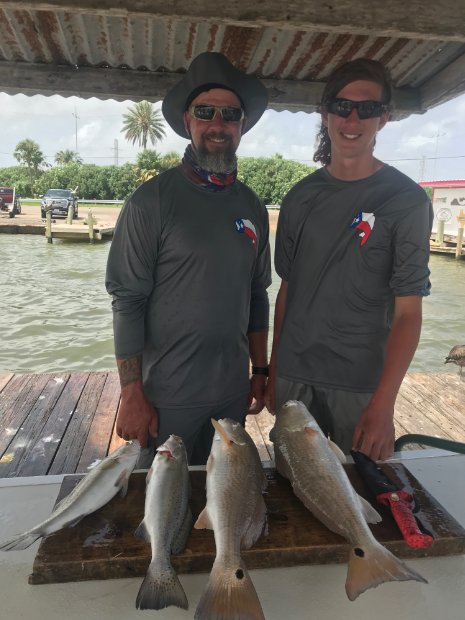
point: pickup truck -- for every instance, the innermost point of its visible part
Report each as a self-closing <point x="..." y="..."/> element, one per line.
<point x="10" y="201"/>
<point x="58" y="202"/>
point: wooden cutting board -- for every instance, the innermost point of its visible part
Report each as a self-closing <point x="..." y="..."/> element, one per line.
<point x="102" y="545"/>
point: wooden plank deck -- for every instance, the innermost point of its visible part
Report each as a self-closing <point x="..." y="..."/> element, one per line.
<point x="63" y="423"/>
<point x="76" y="231"/>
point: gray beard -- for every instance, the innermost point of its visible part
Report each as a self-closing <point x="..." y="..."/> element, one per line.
<point x="220" y="162"/>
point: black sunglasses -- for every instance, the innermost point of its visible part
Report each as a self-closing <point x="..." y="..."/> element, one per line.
<point x="365" y="109"/>
<point x="229" y="113"/>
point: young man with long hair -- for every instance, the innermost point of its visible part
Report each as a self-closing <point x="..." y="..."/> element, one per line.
<point x="352" y="249"/>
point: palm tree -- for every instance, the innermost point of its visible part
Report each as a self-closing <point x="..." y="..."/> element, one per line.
<point x="37" y="161"/>
<point x="143" y="122"/>
<point x="66" y="157"/>
<point x="28" y="152"/>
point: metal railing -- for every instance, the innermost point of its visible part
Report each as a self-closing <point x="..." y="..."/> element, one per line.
<point x="120" y="202"/>
<point x="103" y="202"/>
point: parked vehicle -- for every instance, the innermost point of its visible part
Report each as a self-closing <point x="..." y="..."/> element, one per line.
<point x="58" y="201"/>
<point x="10" y="201"/>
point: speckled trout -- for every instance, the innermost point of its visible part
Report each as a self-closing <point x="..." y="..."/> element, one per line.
<point x="312" y="463"/>
<point x="166" y="525"/>
<point x="95" y="490"/>
<point x="235" y="511"/>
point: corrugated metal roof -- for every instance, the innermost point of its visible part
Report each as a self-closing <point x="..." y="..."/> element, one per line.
<point x="166" y="45"/>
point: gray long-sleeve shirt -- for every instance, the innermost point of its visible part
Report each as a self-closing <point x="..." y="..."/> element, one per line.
<point x="188" y="270"/>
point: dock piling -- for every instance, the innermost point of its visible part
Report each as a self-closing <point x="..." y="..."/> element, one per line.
<point x="458" y="251"/>
<point x="440" y="232"/>
<point x="90" y="222"/>
<point x="48" y="230"/>
<point x="70" y="215"/>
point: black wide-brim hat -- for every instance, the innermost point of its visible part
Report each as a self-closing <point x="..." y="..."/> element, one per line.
<point x="214" y="70"/>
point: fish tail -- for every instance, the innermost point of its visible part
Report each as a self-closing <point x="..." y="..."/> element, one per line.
<point x="19" y="542"/>
<point x="229" y="594"/>
<point x="371" y="565"/>
<point x="161" y="588"/>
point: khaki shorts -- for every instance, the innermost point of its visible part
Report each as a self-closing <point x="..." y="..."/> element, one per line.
<point x="336" y="412"/>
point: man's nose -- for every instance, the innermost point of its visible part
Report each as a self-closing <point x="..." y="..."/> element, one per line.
<point x="353" y="116"/>
<point x="217" y="123"/>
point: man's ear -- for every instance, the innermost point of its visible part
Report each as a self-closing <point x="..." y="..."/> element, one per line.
<point x="324" y="115"/>
<point x="244" y="125"/>
<point x="383" y="119"/>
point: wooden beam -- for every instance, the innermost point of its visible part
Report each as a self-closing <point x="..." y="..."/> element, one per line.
<point x="22" y="444"/>
<point x="447" y="84"/>
<point x="298" y="96"/>
<point x="48" y="443"/>
<point x="419" y="19"/>
<point x="85" y="82"/>
<point x="5" y="379"/>
<point x="99" y="437"/>
<point x="74" y="439"/>
<point x="124" y="84"/>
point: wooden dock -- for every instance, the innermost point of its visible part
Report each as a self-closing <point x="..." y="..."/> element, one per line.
<point x="62" y="423"/>
<point x="447" y="244"/>
<point x="79" y="232"/>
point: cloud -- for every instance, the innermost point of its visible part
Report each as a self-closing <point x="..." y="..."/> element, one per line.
<point x="50" y="122"/>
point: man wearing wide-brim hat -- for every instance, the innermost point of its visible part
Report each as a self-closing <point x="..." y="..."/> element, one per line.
<point x="188" y="270"/>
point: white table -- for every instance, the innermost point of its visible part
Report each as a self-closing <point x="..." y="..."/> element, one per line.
<point x="301" y="593"/>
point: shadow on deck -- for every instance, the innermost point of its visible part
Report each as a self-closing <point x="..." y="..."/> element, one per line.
<point x="63" y="423"/>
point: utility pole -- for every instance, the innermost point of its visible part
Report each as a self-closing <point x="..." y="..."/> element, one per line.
<point x="436" y="154"/>
<point x="115" y="149"/>
<point x="421" y="176"/>
<point x="76" y="117"/>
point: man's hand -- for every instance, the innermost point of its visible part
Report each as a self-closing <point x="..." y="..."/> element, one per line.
<point x="375" y="431"/>
<point x="136" y="417"/>
<point x="255" y="401"/>
<point x="270" y="392"/>
<point x="376" y="426"/>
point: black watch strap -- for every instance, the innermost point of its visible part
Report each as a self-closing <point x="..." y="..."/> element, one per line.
<point x="256" y="370"/>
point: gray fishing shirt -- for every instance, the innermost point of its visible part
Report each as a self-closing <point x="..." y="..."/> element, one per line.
<point x="188" y="270"/>
<point x="347" y="249"/>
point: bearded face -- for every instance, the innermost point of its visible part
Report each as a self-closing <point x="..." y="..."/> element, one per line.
<point x="215" y="142"/>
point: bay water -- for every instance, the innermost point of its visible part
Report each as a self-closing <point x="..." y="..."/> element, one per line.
<point x="55" y="314"/>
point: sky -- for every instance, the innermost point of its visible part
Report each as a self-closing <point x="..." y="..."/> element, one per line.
<point x="50" y="121"/>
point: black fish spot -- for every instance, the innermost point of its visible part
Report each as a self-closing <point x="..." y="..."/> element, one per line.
<point x="359" y="552"/>
<point x="240" y="573"/>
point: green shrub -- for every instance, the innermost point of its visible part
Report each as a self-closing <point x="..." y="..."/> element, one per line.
<point x="271" y="177"/>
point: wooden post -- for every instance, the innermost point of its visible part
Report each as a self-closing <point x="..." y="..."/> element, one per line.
<point x="70" y="214"/>
<point x="458" y="251"/>
<point x="440" y="232"/>
<point x="48" y="230"/>
<point x="90" y="222"/>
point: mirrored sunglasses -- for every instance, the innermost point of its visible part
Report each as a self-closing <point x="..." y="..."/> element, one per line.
<point x="229" y="114"/>
<point x="365" y="109"/>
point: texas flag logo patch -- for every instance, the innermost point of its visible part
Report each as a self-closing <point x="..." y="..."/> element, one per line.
<point x="246" y="226"/>
<point x="364" y="222"/>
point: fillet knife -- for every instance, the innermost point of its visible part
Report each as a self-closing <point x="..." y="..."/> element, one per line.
<point x="398" y="501"/>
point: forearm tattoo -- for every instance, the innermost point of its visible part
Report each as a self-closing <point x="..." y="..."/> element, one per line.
<point x="130" y="370"/>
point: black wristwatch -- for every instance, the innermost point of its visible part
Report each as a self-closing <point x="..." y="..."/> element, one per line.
<point x="256" y="370"/>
